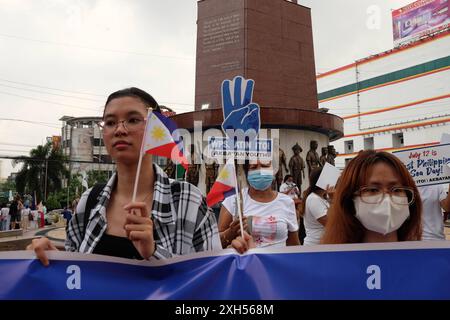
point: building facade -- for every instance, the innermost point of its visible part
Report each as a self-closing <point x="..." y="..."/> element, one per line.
<point x="399" y="99"/>
<point x="82" y="143"/>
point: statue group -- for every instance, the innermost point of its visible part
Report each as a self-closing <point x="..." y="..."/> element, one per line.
<point x="296" y="166"/>
<point x="313" y="161"/>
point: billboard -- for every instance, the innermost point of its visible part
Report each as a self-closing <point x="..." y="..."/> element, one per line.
<point x="56" y="142"/>
<point x="81" y="147"/>
<point x="419" y="19"/>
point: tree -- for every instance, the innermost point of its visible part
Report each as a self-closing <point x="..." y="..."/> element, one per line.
<point x="95" y="177"/>
<point x="44" y="163"/>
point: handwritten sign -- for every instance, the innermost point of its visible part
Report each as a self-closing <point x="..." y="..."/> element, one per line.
<point x="427" y="166"/>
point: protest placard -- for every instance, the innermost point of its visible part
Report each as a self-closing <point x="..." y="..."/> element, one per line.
<point x="429" y="165"/>
<point x="329" y="176"/>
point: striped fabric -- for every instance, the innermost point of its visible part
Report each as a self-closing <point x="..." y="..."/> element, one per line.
<point x="182" y="221"/>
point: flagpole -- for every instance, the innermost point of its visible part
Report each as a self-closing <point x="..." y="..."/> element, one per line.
<point x="238" y="202"/>
<point x="138" y="171"/>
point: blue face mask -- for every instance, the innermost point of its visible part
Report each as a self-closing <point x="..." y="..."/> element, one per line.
<point x="260" y="179"/>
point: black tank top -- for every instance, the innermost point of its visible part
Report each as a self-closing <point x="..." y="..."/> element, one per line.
<point x="117" y="247"/>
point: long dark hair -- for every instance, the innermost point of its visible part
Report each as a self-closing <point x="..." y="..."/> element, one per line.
<point x="343" y="226"/>
<point x="313" y="178"/>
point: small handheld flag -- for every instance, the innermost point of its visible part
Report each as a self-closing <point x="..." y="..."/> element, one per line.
<point x="159" y="140"/>
<point x="225" y="185"/>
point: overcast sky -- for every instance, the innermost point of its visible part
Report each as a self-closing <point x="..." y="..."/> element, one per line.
<point x="63" y="57"/>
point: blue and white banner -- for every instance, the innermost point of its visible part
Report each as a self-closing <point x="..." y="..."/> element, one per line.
<point x="225" y="148"/>
<point x="414" y="270"/>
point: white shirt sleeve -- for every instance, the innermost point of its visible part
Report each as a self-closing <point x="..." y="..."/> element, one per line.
<point x="443" y="192"/>
<point x="292" y="217"/>
<point x="230" y="204"/>
<point x="317" y="207"/>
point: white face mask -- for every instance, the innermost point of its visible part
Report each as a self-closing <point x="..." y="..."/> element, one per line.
<point x="384" y="217"/>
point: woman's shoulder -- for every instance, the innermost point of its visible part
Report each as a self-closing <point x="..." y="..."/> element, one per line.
<point x="284" y="198"/>
<point x="82" y="202"/>
<point x="314" y="199"/>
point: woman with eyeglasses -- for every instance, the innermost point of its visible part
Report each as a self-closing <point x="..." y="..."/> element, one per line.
<point x="168" y="218"/>
<point x="376" y="200"/>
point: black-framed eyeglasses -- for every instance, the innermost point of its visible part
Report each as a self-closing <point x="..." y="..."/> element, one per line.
<point x="375" y="195"/>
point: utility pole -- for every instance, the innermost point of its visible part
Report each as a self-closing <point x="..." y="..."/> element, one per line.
<point x="45" y="188"/>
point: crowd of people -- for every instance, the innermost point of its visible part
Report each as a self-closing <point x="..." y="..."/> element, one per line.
<point x="20" y="213"/>
<point x="374" y="200"/>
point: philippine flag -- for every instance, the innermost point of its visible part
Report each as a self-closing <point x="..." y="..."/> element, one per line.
<point x="159" y="139"/>
<point x="225" y="185"/>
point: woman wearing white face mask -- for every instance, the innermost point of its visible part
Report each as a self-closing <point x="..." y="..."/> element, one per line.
<point x="273" y="216"/>
<point x="376" y="200"/>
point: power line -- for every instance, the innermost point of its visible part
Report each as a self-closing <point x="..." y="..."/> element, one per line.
<point x="51" y="88"/>
<point x="16" y="144"/>
<point x="46" y="101"/>
<point x="49" y="160"/>
<point x="76" y="92"/>
<point x="45" y="124"/>
<point x="96" y="49"/>
<point x="50" y="93"/>
<point x="17" y="151"/>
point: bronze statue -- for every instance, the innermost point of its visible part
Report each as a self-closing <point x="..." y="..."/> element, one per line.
<point x="312" y="158"/>
<point x="323" y="157"/>
<point x="297" y="166"/>
<point x="170" y="169"/>
<point x="212" y="170"/>
<point x="331" y="155"/>
<point x="279" y="175"/>
<point x="193" y="172"/>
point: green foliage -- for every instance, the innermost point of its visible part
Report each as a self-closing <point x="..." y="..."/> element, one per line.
<point x="31" y="177"/>
<point x="95" y="176"/>
<point x="53" y="202"/>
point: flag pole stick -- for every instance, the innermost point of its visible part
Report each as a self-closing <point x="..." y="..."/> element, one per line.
<point x="138" y="171"/>
<point x="239" y="206"/>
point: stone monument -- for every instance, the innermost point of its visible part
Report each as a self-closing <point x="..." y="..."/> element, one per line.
<point x="271" y="42"/>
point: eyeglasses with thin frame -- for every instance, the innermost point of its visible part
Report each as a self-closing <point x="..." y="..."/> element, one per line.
<point x="375" y="195"/>
<point x="131" y="124"/>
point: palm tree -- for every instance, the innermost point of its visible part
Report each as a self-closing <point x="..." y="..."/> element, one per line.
<point x="44" y="161"/>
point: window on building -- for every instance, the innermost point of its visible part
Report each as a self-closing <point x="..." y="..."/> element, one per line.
<point x="398" y="140"/>
<point x="348" y="146"/>
<point x="369" y="144"/>
<point x="98" y="142"/>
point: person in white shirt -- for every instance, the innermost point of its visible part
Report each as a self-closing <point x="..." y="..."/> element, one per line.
<point x="315" y="211"/>
<point x="435" y="198"/>
<point x="5" y="218"/>
<point x="289" y="188"/>
<point x="25" y="218"/>
<point x="273" y="219"/>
